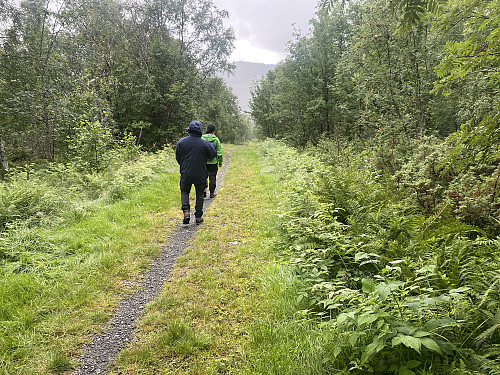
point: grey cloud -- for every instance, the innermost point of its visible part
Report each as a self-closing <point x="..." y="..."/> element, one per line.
<point x="268" y="24"/>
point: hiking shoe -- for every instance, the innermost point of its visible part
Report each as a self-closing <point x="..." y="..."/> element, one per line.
<point x="212" y="195"/>
<point x="199" y="220"/>
<point x="187" y="217"/>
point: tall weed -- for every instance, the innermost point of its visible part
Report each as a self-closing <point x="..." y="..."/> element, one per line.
<point x="29" y="201"/>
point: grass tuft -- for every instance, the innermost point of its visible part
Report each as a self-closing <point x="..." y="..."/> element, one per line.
<point x="59" y="362"/>
<point x="182" y="340"/>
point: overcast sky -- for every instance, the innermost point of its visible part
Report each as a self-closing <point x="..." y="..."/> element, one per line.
<point x="263" y="27"/>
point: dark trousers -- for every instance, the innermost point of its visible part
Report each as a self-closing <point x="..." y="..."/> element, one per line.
<point x="212" y="177"/>
<point x="185" y="190"/>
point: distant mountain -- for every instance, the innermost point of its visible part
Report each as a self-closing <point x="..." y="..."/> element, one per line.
<point x="242" y="79"/>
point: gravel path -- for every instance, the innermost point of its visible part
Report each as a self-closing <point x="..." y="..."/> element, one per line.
<point x="105" y="347"/>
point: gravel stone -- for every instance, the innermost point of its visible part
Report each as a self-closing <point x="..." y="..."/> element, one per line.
<point x="105" y="347"/>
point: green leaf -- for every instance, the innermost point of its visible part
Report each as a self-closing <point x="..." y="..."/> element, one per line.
<point x="422" y="334"/>
<point x="360" y="255"/>
<point x="368" y="285"/>
<point x="353" y="339"/>
<point x="337" y="351"/>
<point x="403" y="370"/>
<point x="412" y="364"/>
<point x="431" y="344"/>
<point x="459" y="290"/>
<point x="408" y="341"/>
<point x="433" y="324"/>
<point x="424" y="302"/>
<point x="412" y="342"/>
<point x="372" y="349"/>
<point x="383" y="291"/>
<point x="366" y="318"/>
<point x="341" y="318"/>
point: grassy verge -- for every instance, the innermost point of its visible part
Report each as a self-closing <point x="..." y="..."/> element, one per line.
<point x="69" y="277"/>
<point x="200" y="324"/>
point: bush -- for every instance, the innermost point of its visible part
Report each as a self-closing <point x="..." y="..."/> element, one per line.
<point x="399" y="289"/>
<point x="474" y="199"/>
<point x="469" y="194"/>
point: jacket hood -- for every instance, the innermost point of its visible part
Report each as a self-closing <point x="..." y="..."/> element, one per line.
<point x="195" y="128"/>
<point x="209" y="137"/>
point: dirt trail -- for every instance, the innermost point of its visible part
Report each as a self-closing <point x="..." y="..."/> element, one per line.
<point x="105" y="347"/>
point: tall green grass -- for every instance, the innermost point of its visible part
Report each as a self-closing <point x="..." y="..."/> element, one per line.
<point x="70" y="247"/>
<point x="283" y="340"/>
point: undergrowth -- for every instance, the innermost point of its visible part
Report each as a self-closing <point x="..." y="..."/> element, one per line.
<point x="388" y="287"/>
<point x="366" y="280"/>
<point x="71" y="244"/>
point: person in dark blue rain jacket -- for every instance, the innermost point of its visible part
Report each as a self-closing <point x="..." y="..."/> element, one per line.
<point x="192" y="153"/>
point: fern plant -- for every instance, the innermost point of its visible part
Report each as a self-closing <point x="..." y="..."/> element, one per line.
<point x="398" y="289"/>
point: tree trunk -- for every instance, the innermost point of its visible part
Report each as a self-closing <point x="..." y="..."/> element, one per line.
<point x="48" y="129"/>
<point x="3" y="156"/>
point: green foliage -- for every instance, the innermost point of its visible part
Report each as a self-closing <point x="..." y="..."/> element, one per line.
<point x="473" y="61"/>
<point x="358" y="76"/>
<point x="48" y="195"/>
<point x="59" y="363"/>
<point x="68" y="241"/>
<point x="473" y="197"/>
<point x="31" y="201"/>
<point x="90" y="143"/>
<point x="392" y="74"/>
<point x="478" y="52"/>
<point x="395" y="290"/>
<point x="394" y="236"/>
<point x="475" y="145"/>
<point x="424" y="175"/>
<point x="148" y="63"/>
<point x="439" y="180"/>
<point x="308" y="95"/>
<point x="414" y="10"/>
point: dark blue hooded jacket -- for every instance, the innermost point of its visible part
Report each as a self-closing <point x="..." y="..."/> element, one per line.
<point x="192" y="153"/>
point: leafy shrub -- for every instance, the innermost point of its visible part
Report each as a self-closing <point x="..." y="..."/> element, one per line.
<point x="90" y="143"/>
<point x="469" y="194"/>
<point x="424" y="174"/>
<point x="473" y="197"/>
<point x="399" y="289"/>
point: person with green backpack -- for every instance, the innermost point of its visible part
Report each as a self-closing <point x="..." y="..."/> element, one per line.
<point x="212" y="165"/>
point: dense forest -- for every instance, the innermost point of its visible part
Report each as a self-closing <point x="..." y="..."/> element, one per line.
<point x="388" y="72"/>
<point x="391" y="215"/>
<point x="377" y="176"/>
<point x="414" y="81"/>
<point x="79" y="76"/>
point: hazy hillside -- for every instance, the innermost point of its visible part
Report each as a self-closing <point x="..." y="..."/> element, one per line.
<point x="242" y="79"/>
